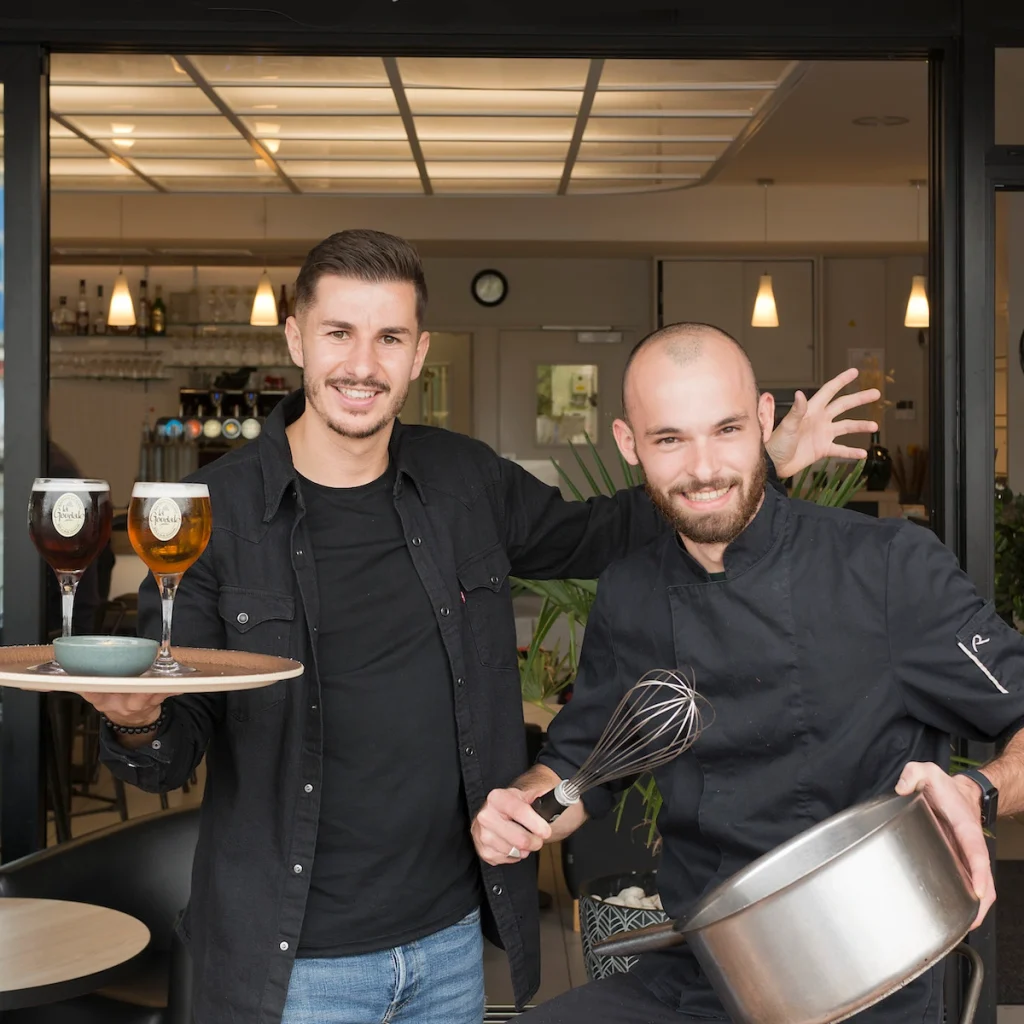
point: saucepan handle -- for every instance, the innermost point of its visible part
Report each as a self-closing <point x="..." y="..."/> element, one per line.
<point x="642" y="940"/>
<point x="973" y="994"/>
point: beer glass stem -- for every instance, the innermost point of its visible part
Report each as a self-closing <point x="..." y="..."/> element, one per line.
<point x="68" y="585"/>
<point x="168" y="588"/>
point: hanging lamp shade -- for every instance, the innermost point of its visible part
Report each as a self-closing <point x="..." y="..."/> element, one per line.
<point x="917" y="304"/>
<point x="765" y="312"/>
<point x="122" y="309"/>
<point x="264" y="305"/>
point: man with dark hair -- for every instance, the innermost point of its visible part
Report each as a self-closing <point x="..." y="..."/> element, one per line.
<point x="837" y="652"/>
<point x="335" y="879"/>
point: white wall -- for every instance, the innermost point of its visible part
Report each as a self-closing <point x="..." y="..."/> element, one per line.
<point x="716" y="215"/>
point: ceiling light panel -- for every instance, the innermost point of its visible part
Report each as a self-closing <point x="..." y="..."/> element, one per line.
<point x="199" y="167"/>
<point x="687" y="73"/>
<point x="156" y="127"/>
<point x="500" y="151"/>
<point x="495" y="102"/>
<point x="120" y="102"/>
<point x="709" y="151"/>
<point x="489" y="129"/>
<point x="309" y="100"/>
<point x="113" y="69"/>
<point x="665" y="104"/>
<point x="335" y="129"/>
<point x="492" y="73"/>
<point x="363" y="186"/>
<point x="97" y="183"/>
<point x="96" y="166"/>
<point x="350" y="169"/>
<point x="255" y="69"/>
<point x="221" y="183"/>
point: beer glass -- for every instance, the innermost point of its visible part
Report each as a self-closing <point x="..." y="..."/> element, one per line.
<point x="169" y="526"/>
<point x="69" y="523"/>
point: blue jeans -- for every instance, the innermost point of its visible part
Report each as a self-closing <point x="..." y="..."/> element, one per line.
<point x="435" y="980"/>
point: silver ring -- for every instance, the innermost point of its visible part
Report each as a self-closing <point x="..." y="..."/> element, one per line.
<point x="514" y="852"/>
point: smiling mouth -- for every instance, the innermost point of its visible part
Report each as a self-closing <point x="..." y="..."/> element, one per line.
<point x="706" y="496"/>
<point x="360" y="394"/>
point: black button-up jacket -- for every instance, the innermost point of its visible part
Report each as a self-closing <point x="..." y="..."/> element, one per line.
<point x="470" y="520"/>
<point x="838" y="648"/>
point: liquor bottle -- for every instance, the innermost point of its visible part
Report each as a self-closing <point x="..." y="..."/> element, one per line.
<point x="63" y="319"/>
<point x="143" y="320"/>
<point x="159" y="314"/>
<point x="82" y="317"/>
<point x="282" y="306"/>
<point x="99" y="321"/>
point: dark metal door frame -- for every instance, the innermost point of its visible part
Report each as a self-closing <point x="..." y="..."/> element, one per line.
<point x="26" y="295"/>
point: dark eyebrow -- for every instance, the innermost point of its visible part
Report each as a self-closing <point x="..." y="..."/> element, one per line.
<point x="342" y="325"/>
<point x="740" y="417"/>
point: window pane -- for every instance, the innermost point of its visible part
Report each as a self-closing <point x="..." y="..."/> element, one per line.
<point x="566" y="404"/>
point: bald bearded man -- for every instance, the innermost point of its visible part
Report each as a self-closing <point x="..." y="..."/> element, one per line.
<point x="828" y="643"/>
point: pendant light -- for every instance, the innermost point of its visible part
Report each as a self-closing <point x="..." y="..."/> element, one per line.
<point x="264" y="305"/>
<point x="766" y="313"/>
<point x="917" y="304"/>
<point x="122" y="309"/>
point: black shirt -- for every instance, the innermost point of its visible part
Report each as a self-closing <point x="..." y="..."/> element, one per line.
<point x="834" y="652"/>
<point x="394" y="860"/>
<point x="470" y="520"/>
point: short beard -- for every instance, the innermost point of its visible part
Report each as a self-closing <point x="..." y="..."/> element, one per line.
<point x="712" y="527"/>
<point x="313" y="391"/>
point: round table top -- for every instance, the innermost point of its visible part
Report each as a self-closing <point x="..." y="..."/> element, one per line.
<point x="52" y="949"/>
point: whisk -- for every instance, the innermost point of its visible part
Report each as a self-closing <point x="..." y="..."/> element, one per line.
<point x="657" y="719"/>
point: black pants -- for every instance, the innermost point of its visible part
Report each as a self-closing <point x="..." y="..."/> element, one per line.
<point x="620" y="999"/>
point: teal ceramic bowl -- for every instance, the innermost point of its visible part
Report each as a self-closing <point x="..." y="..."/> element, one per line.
<point x="104" y="655"/>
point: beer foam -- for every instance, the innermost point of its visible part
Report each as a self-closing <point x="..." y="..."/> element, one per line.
<point x="153" y="489"/>
<point x="52" y="483"/>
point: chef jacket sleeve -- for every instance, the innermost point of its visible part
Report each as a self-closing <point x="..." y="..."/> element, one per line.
<point x="597" y="690"/>
<point x="959" y="665"/>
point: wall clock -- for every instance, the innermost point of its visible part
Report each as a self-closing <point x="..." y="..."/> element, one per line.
<point x="489" y="287"/>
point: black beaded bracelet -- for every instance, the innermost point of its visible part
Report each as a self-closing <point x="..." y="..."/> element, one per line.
<point x="135" y="730"/>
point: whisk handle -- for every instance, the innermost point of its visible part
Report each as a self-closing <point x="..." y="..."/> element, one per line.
<point x="548" y="806"/>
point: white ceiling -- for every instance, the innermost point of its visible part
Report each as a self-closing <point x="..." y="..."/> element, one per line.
<point x="405" y="126"/>
<point x="366" y="125"/>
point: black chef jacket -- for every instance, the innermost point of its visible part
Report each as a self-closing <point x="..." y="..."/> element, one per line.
<point x="836" y="649"/>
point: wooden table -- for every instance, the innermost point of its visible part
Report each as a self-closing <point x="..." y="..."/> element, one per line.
<point x="52" y="950"/>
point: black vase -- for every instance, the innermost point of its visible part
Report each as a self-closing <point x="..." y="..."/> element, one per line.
<point x="878" y="467"/>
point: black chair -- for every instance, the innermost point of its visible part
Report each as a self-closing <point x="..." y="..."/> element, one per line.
<point x="143" y="868"/>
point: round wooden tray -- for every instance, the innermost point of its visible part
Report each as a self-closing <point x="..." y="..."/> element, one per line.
<point x="216" y="671"/>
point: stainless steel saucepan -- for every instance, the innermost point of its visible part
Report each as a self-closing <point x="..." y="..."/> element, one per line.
<point x="832" y="921"/>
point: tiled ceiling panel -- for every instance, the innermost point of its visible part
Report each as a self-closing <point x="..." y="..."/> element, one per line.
<point x="371" y="125"/>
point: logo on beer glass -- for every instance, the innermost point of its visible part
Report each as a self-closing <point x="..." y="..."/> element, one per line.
<point x="68" y="515"/>
<point x="165" y="519"/>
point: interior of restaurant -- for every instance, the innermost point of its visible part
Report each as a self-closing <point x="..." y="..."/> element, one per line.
<point x="563" y="208"/>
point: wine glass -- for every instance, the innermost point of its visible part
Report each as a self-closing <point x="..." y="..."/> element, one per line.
<point x="169" y="525"/>
<point x="69" y="522"/>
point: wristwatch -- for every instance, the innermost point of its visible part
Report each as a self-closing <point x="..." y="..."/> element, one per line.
<point x="989" y="796"/>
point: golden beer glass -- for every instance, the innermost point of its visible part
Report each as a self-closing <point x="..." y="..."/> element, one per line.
<point x="169" y="526"/>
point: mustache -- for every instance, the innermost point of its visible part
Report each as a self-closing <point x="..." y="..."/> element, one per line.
<point x="715" y="484"/>
<point x="366" y="384"/>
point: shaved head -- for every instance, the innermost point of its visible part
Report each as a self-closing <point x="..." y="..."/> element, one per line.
<point x="694" y="421"/>
<point x="684" y="343"/>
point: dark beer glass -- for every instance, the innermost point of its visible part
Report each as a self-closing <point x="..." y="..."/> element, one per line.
<point x="69" y="523"/>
